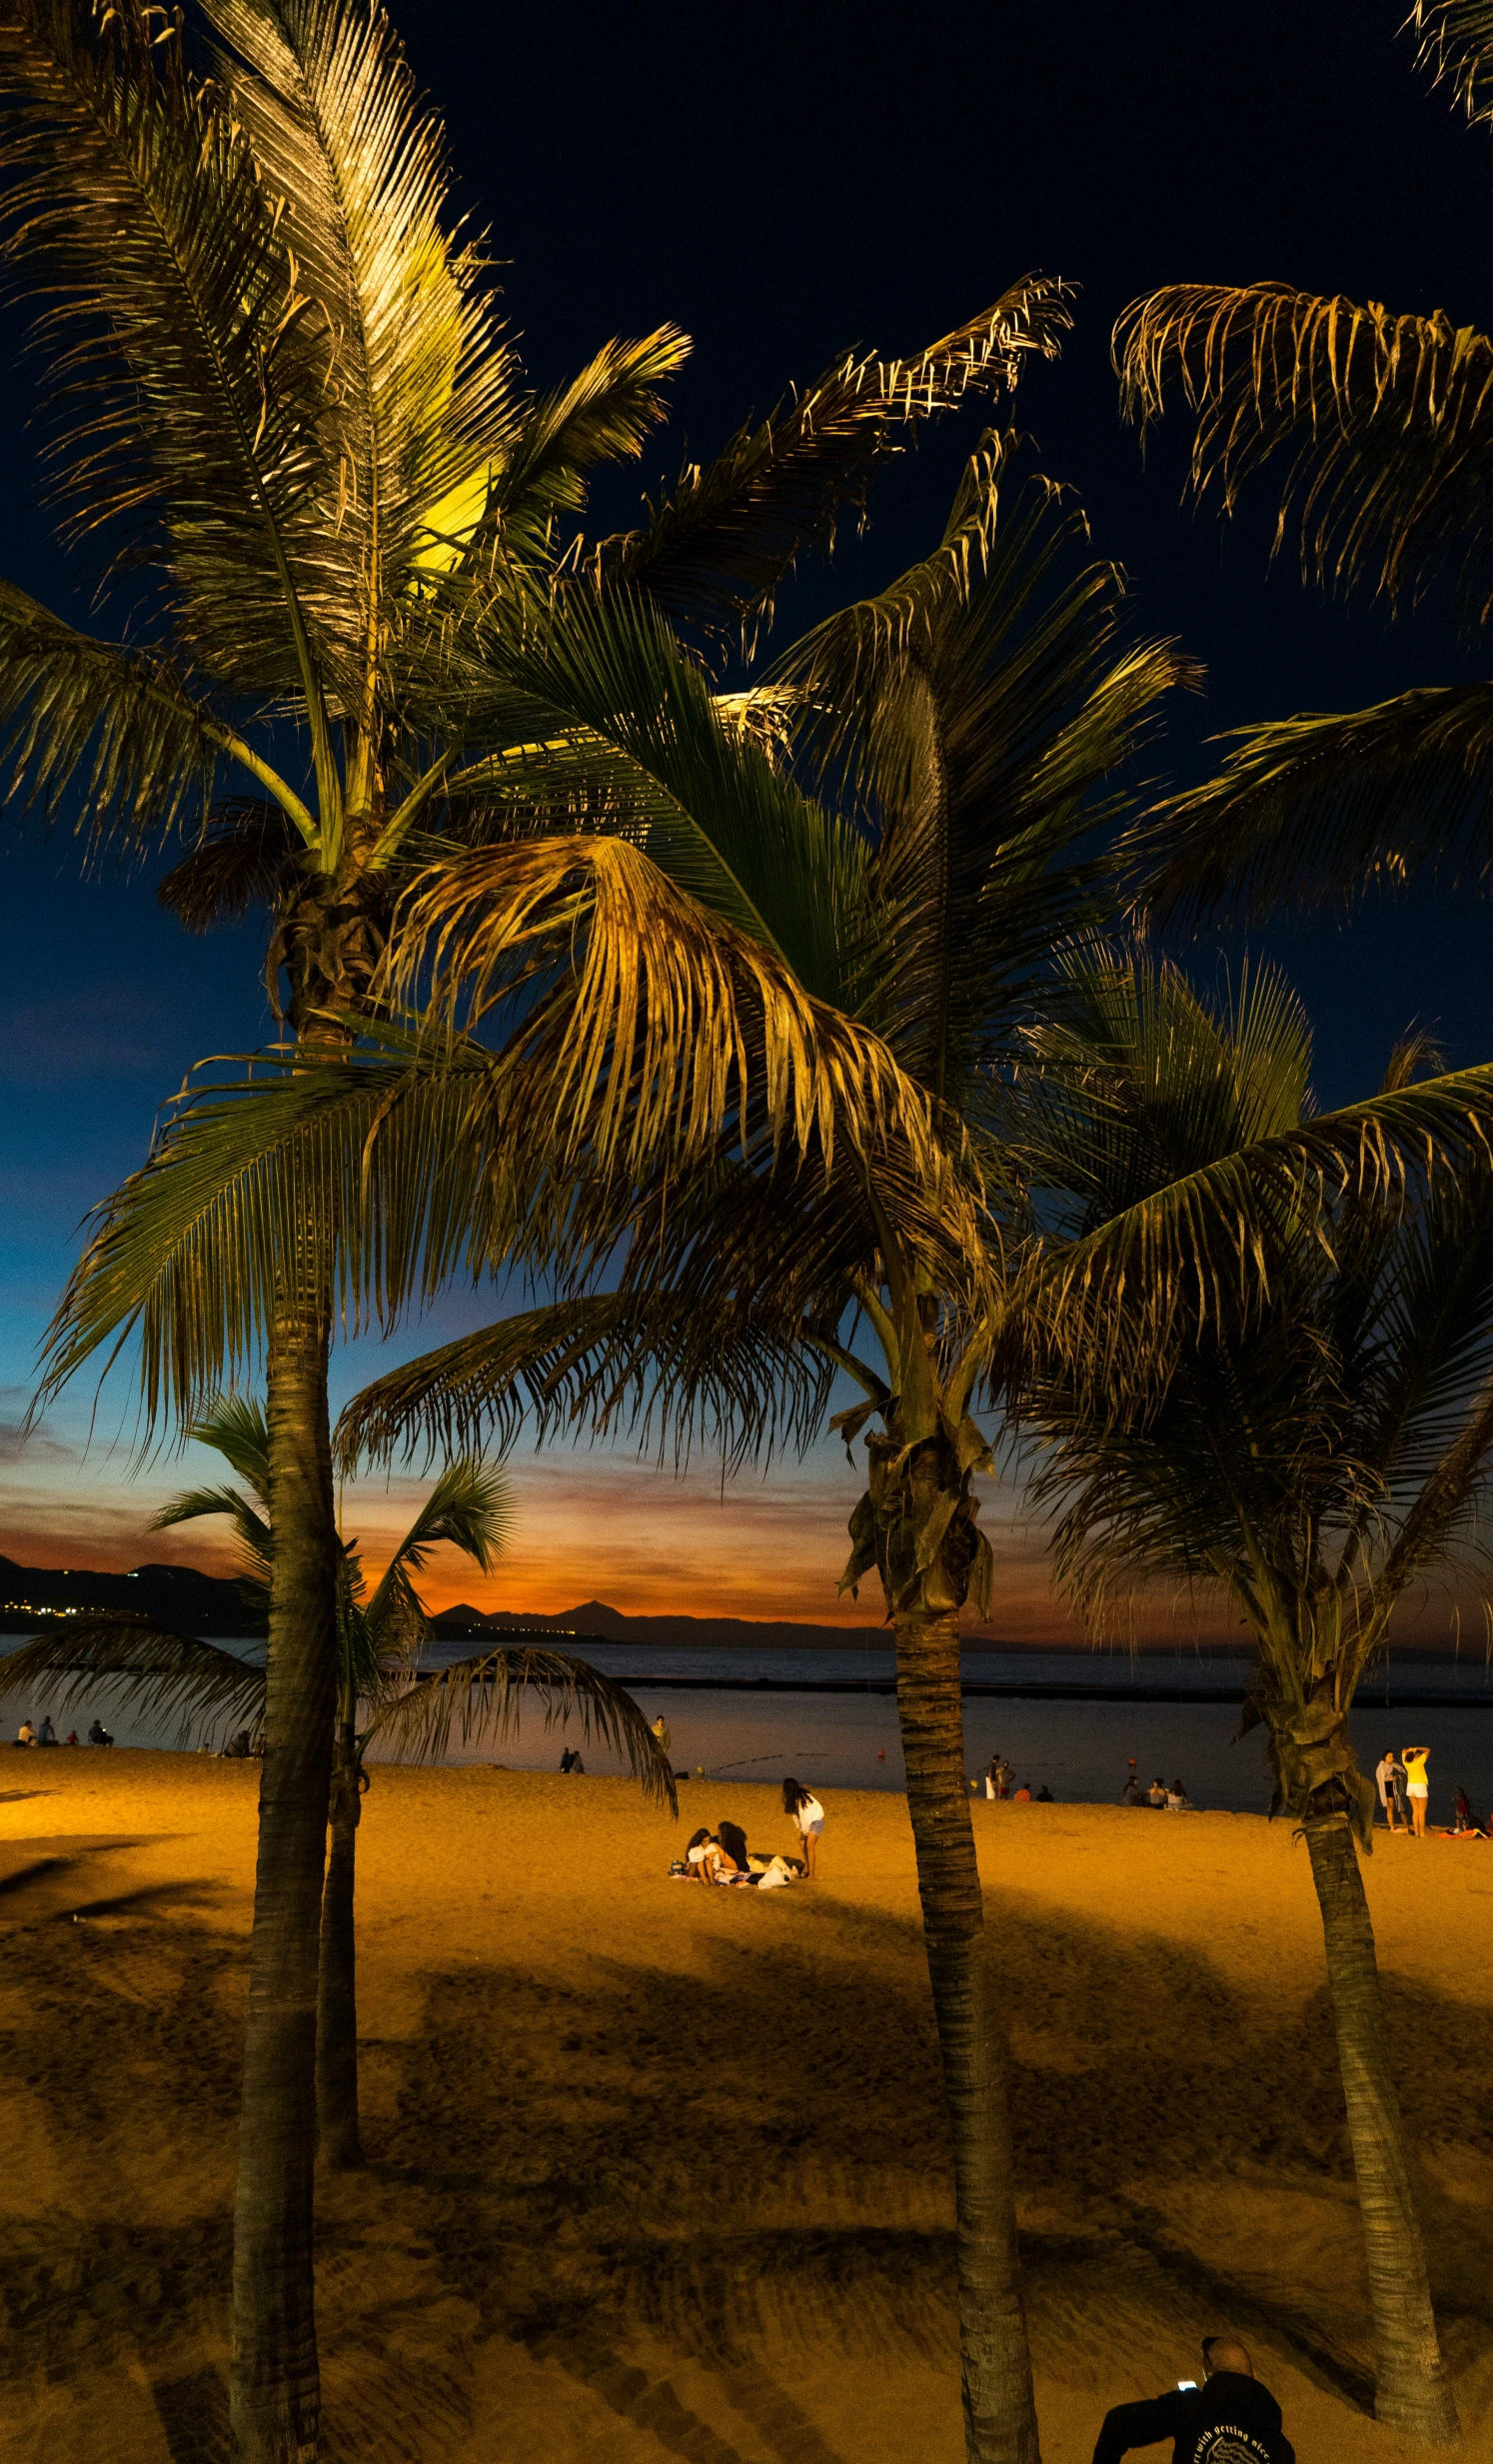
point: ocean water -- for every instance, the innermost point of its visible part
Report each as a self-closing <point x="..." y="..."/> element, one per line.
<point x="1077" y="1746"/>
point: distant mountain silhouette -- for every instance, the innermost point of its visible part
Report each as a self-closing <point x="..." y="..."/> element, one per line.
<point x="177" y="1594"/>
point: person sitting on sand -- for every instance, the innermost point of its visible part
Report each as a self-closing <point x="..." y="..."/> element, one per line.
<point x="712" y="1862"/>
<point x="1177" y="1799"/>
<point x="98" y="1734"/>
<point x="1132" y="1796"/>
<point x="1044" y="1795"/>
<point x="734" y="1845"/>
<point x="808" y="1817"/>
<point x="71" y="1738"/>
<point x="46" y="1734"/>
<point x="1022" y="1795"/>
<point x="1465" y="1824"/>
<point x="1417" y="1785"/>
<point x="1230" y="2419"/>
<point x="570" y="1760"/>
<point x="25" y="1735"/>
<point x="1156" y="1793"/>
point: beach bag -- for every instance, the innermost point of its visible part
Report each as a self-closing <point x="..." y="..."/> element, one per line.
<point x="777" y="1878"/>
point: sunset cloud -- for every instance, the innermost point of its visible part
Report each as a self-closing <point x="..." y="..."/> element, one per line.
<point x="593" y="1525"/>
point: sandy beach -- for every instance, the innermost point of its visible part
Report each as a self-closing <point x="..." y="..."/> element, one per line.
<point x="661" y="2171"/>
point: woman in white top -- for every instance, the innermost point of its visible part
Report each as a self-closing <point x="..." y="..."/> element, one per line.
<point x="808" y="1816"/>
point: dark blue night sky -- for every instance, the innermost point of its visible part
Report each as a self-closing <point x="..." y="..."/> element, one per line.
<point x="784" y="182"/>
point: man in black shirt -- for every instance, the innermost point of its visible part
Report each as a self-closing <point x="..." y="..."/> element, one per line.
<point x="1230" y="2419"/>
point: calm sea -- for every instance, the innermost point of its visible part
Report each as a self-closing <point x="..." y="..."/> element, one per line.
<point x="1078" y="1747"/>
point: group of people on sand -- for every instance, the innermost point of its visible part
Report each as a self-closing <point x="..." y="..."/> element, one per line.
<point x="46" y="1734"/>
<point x="1403" y="1782"/>
<point x="1002" y="1786"/>
<point x="722" y="1856"/>
<point x="1164" y="1796"/>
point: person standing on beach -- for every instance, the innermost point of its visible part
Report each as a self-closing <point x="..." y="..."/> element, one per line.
<point x="1384" y="1781"/>
<point x="664" y="1734"/>
<point x="993" y="1778"/>
<point x="808" y="1816"/>
<point x="1417" y="1785"/>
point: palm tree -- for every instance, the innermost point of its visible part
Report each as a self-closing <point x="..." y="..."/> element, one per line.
<point x="289" y="419"/>
<point x="382" y="1634"/>
<point x="1387" y="423"/>
<point x="972" y="718"/>
<point x="1303" y="1450"/>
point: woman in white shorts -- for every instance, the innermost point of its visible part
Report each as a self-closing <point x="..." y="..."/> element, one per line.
<point x="808" y="1816"/>
<point x="1417" y="1786"/>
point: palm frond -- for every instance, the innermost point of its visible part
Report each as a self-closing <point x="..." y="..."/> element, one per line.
<point x="422" y="396"/>
<point x="471" y="1506"/>
<point x="636" y="1361"/>
<point x="484" y="1697"/>
<point x="250" y="1528"/>
<point x="161" y="1675"/>
<point x="602" y="415"/>
<point x="623" y="734"/>
<point x="1388" y="419"/>
<point x="1325" y="805"/>
<point x="1456" y="44"/>
<point x="110" y="737"/>
<point x="242" y="865"/>
<point x="717" y="547"/>
<point x="188" y="370"/>
<point x="1189" y="1177"/>
<point x="673" y="1021"/>
<point x="981" y="707"/>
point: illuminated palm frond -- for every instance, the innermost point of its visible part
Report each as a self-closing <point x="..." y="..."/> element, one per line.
<point x="717" y="547"/>
<point x="1189" y="1159"/>
<point x="421" y="394"/>
<point x="1388" y="419"/>
<point x="1318" y="806"/>
<point x="981" y="709"/>
<point x="629" y="1361"/>
<point x="1456" y="43"/>
<point x="601" y="414"/>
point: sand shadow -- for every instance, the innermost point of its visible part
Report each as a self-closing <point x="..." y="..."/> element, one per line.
<point x="641" y="2170"/>
<point x="193" y="2413"/>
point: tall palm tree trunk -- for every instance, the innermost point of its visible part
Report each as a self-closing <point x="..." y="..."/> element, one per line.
<point x="999" y="2409"/>
<point x="1411" y="2391"/>
<point x="274" y="2389"/>
<point x="338" y="2141"/>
